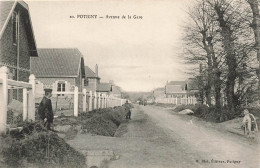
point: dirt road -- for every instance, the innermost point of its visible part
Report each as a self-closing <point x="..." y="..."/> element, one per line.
<point x="155" y="138"/>
<point x="159" y="139"/>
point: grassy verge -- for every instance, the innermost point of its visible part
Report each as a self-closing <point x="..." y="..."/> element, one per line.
<point x="210" y="113"/>
<point x="100" y="122"/>
<point x="36" y="147"/>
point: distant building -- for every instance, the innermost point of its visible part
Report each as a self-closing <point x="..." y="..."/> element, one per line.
<point x="92" y="78"/>
<point x="181" y="88"/>
<point x="104" y="88"/>
<point x="92" y="83"/>
<point x="17" y="42"/>
<point x="116" y="90"/>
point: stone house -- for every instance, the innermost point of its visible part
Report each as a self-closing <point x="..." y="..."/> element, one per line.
<point x="17" y="42"/>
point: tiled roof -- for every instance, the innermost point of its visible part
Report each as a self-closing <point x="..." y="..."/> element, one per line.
<point x="104" y="87"/>
<point x="175" y="86"/>
<point x="6" y="10"/>
<point x="89" y="73"/>
<point x="57" y="62"/>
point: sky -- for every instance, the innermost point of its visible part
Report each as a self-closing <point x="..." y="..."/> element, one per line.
<point x="137" y="54"/>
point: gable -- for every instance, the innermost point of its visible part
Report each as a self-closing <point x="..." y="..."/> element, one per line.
<point x="6" y="10"/>
<point x="89" y="73"/>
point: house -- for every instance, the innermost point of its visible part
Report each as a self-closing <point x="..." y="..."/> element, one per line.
<point x="104" y="88"/>
<point x="92" y="79"/>
<point x="92" y="83"/>
<point x="17" y="42"/>
<point x="159" y="92"/>
<point x="60" y="69"/>
<point x="115" y="90"/>
<point x="181" y="88"/>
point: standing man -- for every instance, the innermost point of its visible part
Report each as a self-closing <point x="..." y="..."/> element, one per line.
<point x="128" y="111"/>
<point x="45" y="109"/>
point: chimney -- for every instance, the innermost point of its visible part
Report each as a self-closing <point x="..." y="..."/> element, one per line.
<point x="96" y="70"/>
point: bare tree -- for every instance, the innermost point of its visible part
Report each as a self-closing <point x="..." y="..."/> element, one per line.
<point x="200" y="39"/>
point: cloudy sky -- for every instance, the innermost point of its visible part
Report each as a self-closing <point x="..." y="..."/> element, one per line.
<point x="137" y="54"/>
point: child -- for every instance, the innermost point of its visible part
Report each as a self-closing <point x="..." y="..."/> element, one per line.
<point x="249" y="123"/>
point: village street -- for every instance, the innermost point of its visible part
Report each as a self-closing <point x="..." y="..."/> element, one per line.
<point x="154" y="137"/>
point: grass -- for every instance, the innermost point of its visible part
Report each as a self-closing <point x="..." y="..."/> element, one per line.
<point x="36" y="147"/>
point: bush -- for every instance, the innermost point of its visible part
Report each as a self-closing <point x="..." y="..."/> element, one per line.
<point x="40" y="149"/>
<point x="103" y="121"/>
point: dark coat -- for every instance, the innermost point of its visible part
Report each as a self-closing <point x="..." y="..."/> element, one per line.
<point x="45" y="109"/>
<point x="127" y="107"/>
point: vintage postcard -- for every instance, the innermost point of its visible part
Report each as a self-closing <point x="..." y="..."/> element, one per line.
<point x="130" y="83"/>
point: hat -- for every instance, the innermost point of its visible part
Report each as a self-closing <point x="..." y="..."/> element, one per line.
<point x="47" y="90"/>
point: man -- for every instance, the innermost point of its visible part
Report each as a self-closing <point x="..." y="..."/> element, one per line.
<point x="45" y="109"/>
<point x="128" y="111"/>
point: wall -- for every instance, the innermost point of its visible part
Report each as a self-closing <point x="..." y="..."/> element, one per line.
<point x="92" y="84"/>
<point x="8" y="54"/>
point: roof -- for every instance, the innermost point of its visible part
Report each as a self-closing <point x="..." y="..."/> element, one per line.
<point x="182" y="83"/>
<point x="58" y="62"/>
<point x="6" y="10"/>
<point x="192" y="84"/>
<point x="104" y="87"/>
<point x="175" y="87"/>
<point x="89" y="73"/>
<point x="116" y="89"/>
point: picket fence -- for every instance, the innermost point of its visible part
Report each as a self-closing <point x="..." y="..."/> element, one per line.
<point x="177" y="100"/>
<point x="90" y="100"/>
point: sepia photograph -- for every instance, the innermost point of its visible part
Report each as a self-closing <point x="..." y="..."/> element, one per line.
<point x="129" y="83"/>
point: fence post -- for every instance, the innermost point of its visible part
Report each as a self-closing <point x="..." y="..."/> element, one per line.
<point x="103" y="101"/>
<point x="3" y="99"/>
<point x="76" y="101"/>
<point x="90" y="100"/>
<point x="95" y="100"/>
<point x="25" y="104"/>
<point x="84" y="100"/>
<point x="31" y="98"/>
<point x="99" y="100"/>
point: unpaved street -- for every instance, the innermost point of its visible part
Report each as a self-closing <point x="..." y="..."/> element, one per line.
<point x="155" y="138"/>
<point x="159" y="139"/>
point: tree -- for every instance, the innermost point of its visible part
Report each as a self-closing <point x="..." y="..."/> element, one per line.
<point x="254" y="4"/>
<point x="200" y="40"/>
<point x="218" y="37"/>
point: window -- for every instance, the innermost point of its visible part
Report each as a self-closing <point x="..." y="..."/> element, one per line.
<point x="15" y="27"/>
<point x="86" y="82"/>
<point x="61" y="88"/>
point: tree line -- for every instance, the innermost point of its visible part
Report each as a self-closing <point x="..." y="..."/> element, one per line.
<point x="222" y="39"/>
